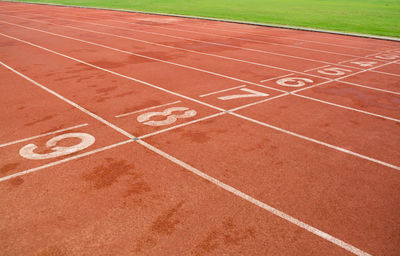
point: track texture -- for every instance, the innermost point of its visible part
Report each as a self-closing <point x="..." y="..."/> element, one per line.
<point x="136" y="134"/>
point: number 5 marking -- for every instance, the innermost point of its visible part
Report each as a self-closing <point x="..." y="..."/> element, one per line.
<point x="144" y="118"/>
<point x="251" y="93"/>
<point x="86" y="141"/>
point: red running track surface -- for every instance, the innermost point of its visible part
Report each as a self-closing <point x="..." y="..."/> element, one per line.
<point x="136" y="134"/>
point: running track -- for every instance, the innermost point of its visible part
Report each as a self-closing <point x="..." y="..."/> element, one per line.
<point x="135" y="134"/>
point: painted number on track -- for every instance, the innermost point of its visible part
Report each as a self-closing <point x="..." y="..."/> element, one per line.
<point x="364" y="64"/>
<point x="334" y="71"/>
<point x="251" y="93"/>
<point x="170" y="118"/>
<point x="387" y="56"/>
<point x="294" y="81"/>
<point x="57" y="151"/>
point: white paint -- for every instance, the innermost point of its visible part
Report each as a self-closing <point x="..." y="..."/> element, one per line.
<point x="294" y="81"/>
<point x="86" y="141"/>
<point x="258" y="102"/>
<point x="112" y="72"/>
<point x="250" y="94"/>
<point x="256" y="202"/>
<point x="42" y="135"/>
<point x="182" y="125"/>
<point x="334" y="71"/>
<point x="145" y="109"/>
<point x="225" y="90"/>
<point x="63" y="160"/>
<point x="364" y="63"/>
<point x="387" y="56"/>
<point x="144" y="118"/>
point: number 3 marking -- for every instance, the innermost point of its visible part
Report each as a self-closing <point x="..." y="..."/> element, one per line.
<point x="86" y="141"/>
<point x="294" y="81"/>
<point x="144" y="118"/>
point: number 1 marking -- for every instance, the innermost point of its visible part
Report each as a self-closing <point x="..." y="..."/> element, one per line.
<point x="251" y="93"/>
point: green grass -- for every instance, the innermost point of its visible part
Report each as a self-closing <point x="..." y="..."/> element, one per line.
<point x="376" y="17"/>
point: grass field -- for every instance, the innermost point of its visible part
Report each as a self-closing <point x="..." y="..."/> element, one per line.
<point x="376" y="17"/>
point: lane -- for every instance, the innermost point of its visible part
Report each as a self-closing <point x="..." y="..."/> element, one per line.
<point x="340" y="194"/>
<point x="130" y="201"/>
<point x="371" y="136"/>
<point x="364" y="99"/>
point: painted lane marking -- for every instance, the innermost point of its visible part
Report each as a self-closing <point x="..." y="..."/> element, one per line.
<point x="112" y="72"/>
<point x="250" y="94"/>
<point x="334" y="71"/>
<point x="145" y="118"/>
<point x="294" y="81"/>
<point x="86" y="141"/>
<point x="64" y="160"/>
<point x="42" y="135"/>
<point x="249" y="62"/>
<point x="225" y="90"/>
<point x="145" y="109"/>
<point x="256" y="202"/>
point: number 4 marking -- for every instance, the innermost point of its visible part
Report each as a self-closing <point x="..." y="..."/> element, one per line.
<point x="251" y="93"/>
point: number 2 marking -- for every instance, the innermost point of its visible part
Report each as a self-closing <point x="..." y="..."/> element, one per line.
<point x="251" y="93"/>
<point x="144" y="118"/>
<point x="86" y="141"/>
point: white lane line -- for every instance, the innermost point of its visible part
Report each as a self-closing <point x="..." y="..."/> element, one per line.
<point x="63" y="160"/>
<point x="42" y="135"/>
<point x="225" y="90"/>
<point x="143" y="56"/>
<point x="141" y="110"/>
<point x="349" y="108"/>
<point x="182" y="125"/>
<point x="114" y="73"/>
<point x="168" y="62"/>
<point x="256" y="202"/>
<point x="70" y="102"/>
<point x="318" y="142"/>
